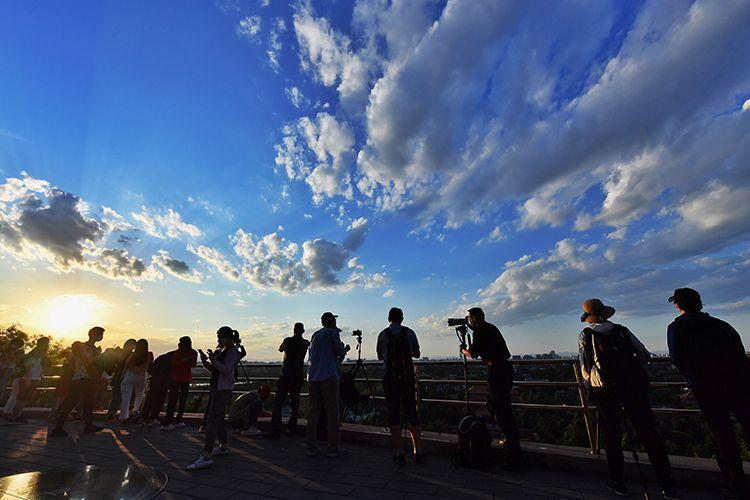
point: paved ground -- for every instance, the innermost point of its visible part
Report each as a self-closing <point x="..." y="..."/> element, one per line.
<point x="280" y="469"/>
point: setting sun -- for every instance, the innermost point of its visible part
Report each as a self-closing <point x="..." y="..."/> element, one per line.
<point x="71" y="314"/>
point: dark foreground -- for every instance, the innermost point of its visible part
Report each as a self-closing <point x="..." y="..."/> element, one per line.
<point x="259" y="468"/>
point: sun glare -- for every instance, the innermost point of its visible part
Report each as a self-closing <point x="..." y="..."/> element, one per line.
<point x="73" y="314"/>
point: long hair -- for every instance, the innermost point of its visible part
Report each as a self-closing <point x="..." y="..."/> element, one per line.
<point x="140" y="354"/>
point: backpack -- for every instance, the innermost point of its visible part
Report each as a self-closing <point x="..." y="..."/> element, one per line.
<point x="348" y="391"/>
<point x="474" y="443"/>
<point x="399" y="356"/>
<point x="615" y="357"/>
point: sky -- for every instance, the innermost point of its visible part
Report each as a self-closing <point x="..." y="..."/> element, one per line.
<point x="168" y="168"/>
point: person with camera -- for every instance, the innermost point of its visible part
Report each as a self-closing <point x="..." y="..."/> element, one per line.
<point x="327" y="351"/>
<point x="489" y="345"/>
<point x="290" y="381"/>
<point x="397" y="346"/>
<point x="611" y="357"/>
<point x="709" y="353"/>
<point x="222" y="364"/>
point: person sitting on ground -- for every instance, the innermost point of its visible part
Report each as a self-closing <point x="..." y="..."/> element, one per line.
<point x="178" y="383"/>
<point x="116" y="380"/>
<point x="610" y="357"/>
<point x="158" y="381"/>
<point x="397" y="346"/>
<point x="29" y="372"/>
<point x="489" y="345"/>
<point x="10" y="355"/>
<point x="290" y="381"/>
<point x="222" y="364"/>
<point x="134" y="381"/>
<point x="85" y="376"/>
<point x="710" y="355"/>
<point x="326" y="354"/>
<point x="244" y="412"/>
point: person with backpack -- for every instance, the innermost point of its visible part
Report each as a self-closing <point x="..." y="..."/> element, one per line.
<point x="290" y="381"/>
<point x="178" y="383"/>
<point x="116" y="380"/>
<point x="222" y="364"/>
<point x="83" y="382"/>
<point x="326" y="354"/>
<point x="29" y="371"/>
<point x="489" y="345"/>
<point x="397" y="346"/>
<point x="133" y="383"/>
<point x="158" y="381"/>
<point x="709" y="353"/>
<point x="611" y="357"/>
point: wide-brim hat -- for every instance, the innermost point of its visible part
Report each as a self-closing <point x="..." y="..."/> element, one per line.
<point x="598" y="309"/>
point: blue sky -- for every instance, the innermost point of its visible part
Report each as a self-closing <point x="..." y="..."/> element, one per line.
<point x="172" y="168"/>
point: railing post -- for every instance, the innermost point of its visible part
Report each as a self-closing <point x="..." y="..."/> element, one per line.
<point x="579" y="380"/>
<point x="416" y="389"/>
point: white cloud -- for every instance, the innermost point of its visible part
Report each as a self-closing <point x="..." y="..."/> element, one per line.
<point x="295" y="96"/>
<point x="495" y="235"/>
<point x="746" y="105"/>
<point x="275" y="44"/>
<point x="177" y="268"/>
<point x="249" y="27"/>
<point x="165" y="225"/>
<point x="217" y="260"/>
<point x="389" y="293"/>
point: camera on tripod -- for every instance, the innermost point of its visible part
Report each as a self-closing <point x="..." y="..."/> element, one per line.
<point x="358" y="334"/>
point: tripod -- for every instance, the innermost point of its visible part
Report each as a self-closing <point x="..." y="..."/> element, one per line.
<point x="360" y="365"/>
<point x="463" y="337"/>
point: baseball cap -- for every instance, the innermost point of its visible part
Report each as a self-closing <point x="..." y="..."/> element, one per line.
<point x="684" y="296"/>
<point x="328" y="316"/>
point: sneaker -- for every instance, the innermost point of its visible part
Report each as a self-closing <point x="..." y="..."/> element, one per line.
<point x="419" y="458"/>
<point x="168" y="427"/>
<point x="179" y="425"/>
<point x="58" y="432"/>
<point x="251" y="432"/>
<point x="201" y="463"/>
<point x="399" y="459"/>
<point x="219" y="450"/>
<point x="670" y="493"/>
<point x="92" y="429"/>
<point x="618" y="488"/>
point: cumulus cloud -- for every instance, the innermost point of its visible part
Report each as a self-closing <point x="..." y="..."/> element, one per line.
<point x="165" y="225"/>
<point x="295" y="96"/>
<point x="275" y="44"/>
<point x="215" y="259"/>
<point x="318" y="151"/>
<point x="177" y="268"/>
<point x="249" y="27"/>
<point x="495" y="235"/>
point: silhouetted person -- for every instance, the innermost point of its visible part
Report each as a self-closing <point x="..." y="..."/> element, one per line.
<point x="710" y="355"/>
<point x="326" y="354"/>
<point x="222" y="364"/>
<point x="244" y="412"/>
<point x="611" y="357"/>
<point x="178" y="384"/>
<point x="10" y="355"/>
<point x="290" y="381"/>
<point x="396" y="347"/>
<point x="116" y="380"/>
<point x="158" y="382"/>
<point x="84" y="379"/>
<point x="29" y="370"/>
<point x="9" y="358"/>
<point x="489" y="345"/>
<point x="134" y="377"/>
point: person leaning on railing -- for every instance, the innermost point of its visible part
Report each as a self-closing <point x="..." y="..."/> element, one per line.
<point x="489" y="344"/>
<point x="609" y="356"/>
<point x="710" y="355"/>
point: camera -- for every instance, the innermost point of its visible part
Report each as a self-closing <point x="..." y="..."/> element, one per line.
<point x="457" y="322"/>
<point x="357" y="333"/>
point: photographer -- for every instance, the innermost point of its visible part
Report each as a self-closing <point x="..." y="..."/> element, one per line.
<point x="221" y="363"/>
<point x="326" y="354"/>
<point x="490" y="346"/>
<point x="710" y="355"/>
<point x="397" y="345"/>
<point x="290" y="381"/>
<point x="610" y="357"/>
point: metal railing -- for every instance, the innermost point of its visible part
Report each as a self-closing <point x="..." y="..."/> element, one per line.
<point x="200" y="380"/>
